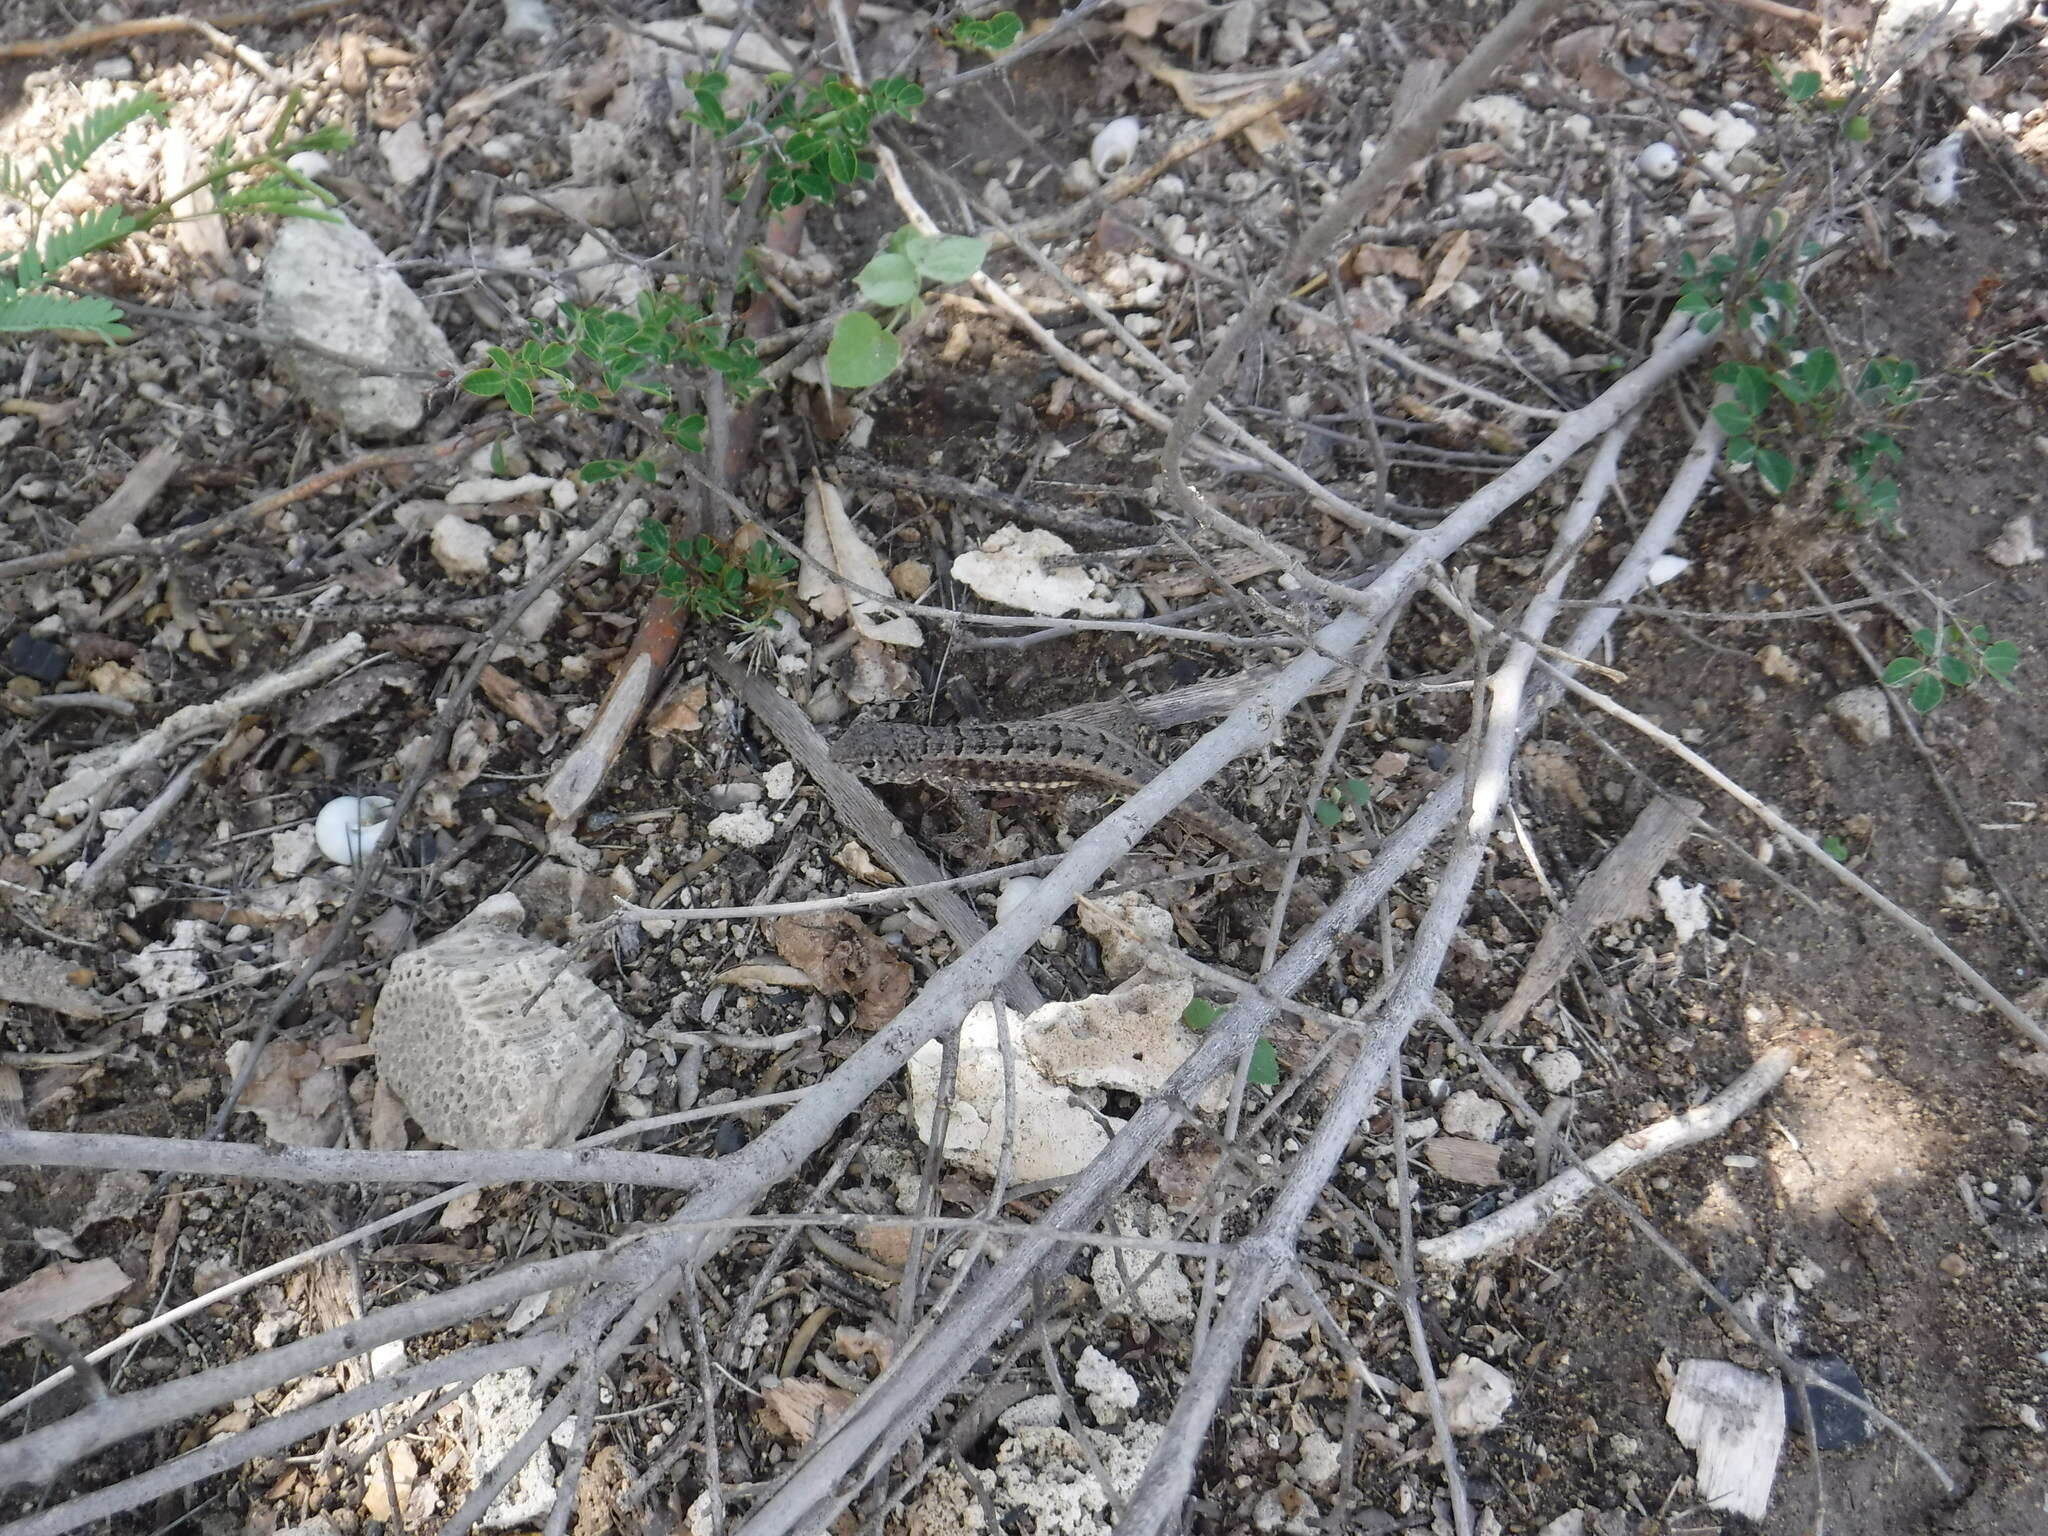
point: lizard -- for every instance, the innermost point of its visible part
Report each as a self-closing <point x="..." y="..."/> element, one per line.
<point x="1034" y="755"/>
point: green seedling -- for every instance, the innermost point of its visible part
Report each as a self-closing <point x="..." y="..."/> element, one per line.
<point x="1783" y="397"/>
<point x="600" y="360"/>
<point x="1953" y="657"/>
<point x="864" y="350"/>
<point x="811" y="143"/>
<point x="709" y="582"/>
<point x="1265" y="1067"/>
<point x="1351" y="795"/>
<point x="990" y="35"/>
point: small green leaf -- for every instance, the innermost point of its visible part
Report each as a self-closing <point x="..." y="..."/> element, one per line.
<point x="1835" y="848"/>
<point x="600" y="470"/>
<point x="1899" y="669"/>
<point x="1753" y="388"/>
<point x="1926" y="640"/>
<point x="1741" y="451"/>
<point x="1734" y="420"/>
<point x="1955" y="671"/>
<point x="1329" y="812"/>
<point x="2001" y="659"/>
<point x="1200" y="1013"/>
<point x="1927" y="694"/>
<point x="1776" y="470"/>
<point x="1857" y="129"/>
<point x="1803" y="86"/>
<point x="1357" y="791"/>
<point x="861" y="352"/>
<point x="486" y="383"/>
<point x="519" y="397"/>
<point x="946" y="258"/>
<point x="890" y="279"/>
<point x="1265" y="1067"/>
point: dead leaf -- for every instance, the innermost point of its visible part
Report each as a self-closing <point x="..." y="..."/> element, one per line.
<point x="520" y="702"/>
<point x="1462" y="1161"/>
<point x="858" y="1344"/>
<point x="1382" y="260"/>
<point x="348" y="696"/>
<point x="294" y="1091"/>
<point x="57" y="1292"/>
<point x="891" y="1244"/>
<point x="761" y="977"/>
<point x="838" y="560"/>
<point x="1457" y="252"/>
<point x="1584" y="56"/>
<point x="39" y="980"/>
<point x="843" y="958"/>
<point x="131" y="498"/>
<point x="117" y="1197"/>
<point x="682" y="709"/>
<point x="805" y="1407"/>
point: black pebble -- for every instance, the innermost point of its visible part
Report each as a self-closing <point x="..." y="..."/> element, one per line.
<point x="1837" y="1425"/>
<point x="39" y="659"/>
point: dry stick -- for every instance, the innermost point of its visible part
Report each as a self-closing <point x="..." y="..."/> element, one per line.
<point x="187" y="540"/>
<point x="279" y="1434"/>
<point x="1911" y="727"/>
<point x="650" y="1266"/>
<point x="282" y="1267"/>
<point x="898" y="1402"/>
<point x="1790" y="1369"/>
<point x="334" y="1165"/>
<point x="2010" y="1011"/>
<point x="46" y="1453"/>
<point x="1409" y="1295"/>
<point x="1235" y="432"/>
<point x="451" y="713"/>
<point x="92" y="773"/>
<point x="84" y="38"/>
<point x="1544" y="1204"/>
<point x="1264" y="1260"/>
<point x="865" y="815"/>
<point x="1405" y="143"/>
<point x="852" y="900"/>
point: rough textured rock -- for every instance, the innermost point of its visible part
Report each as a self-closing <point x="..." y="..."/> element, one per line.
<point x="328" y="284"/>
<point x="490" y="1041"/>
<point x="1864" y="715"/>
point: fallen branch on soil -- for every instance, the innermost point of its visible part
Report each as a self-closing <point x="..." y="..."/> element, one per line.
<point x="344" y="1165"/>
<point x="83" y="38"/>
<point x="95" y="773"/>
<point x="1535" y="1210"/>
<point x="869" y="1433"/>
<point x="193" y="537"/>
<point x="1614" y="892"/>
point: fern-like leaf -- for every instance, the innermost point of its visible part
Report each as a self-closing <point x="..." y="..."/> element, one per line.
<point x="87" y="136"/>
<point x="61" y="312"/>
<point x="95" y="232"/>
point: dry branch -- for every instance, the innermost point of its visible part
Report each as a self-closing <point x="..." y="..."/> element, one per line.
<point x="1540" y="1206"/>
<point x="336" y="1165"/>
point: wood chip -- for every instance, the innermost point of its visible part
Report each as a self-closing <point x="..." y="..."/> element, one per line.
<point x="1735" y="1421"/>
<point x="57" y="1292"/>
<point x="1462" y="1161"/>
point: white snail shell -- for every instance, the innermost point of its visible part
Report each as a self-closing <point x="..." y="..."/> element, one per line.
<point x="351" y="825"/>
<point x="1115" y="145"/>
